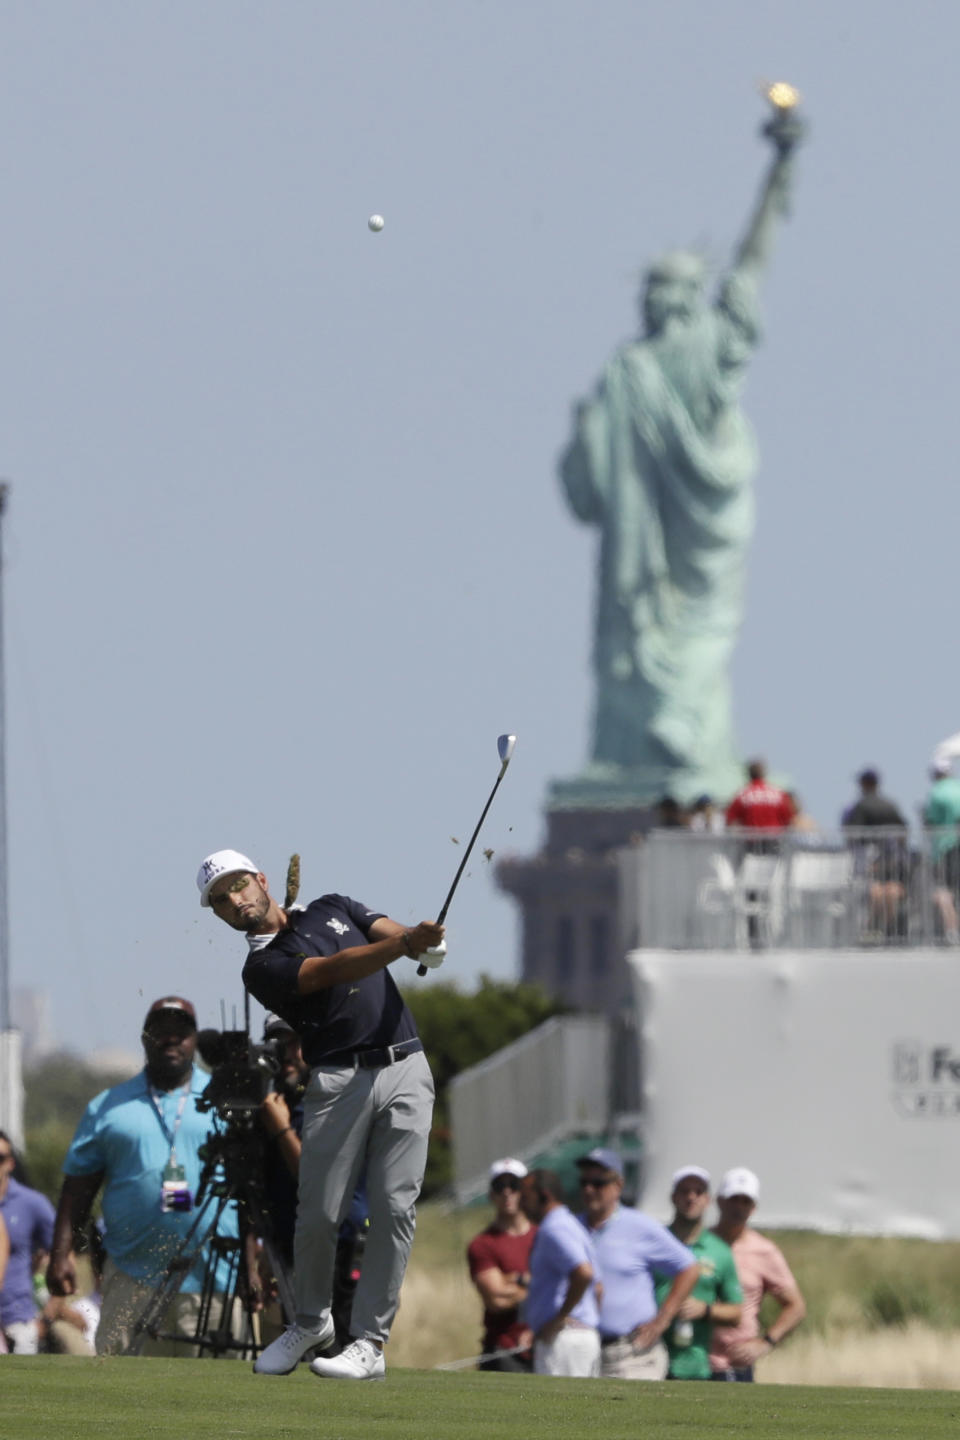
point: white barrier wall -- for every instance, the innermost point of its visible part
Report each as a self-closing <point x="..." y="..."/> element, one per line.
<point x="549" y="1084"/>
<point x="11" y="1086"/>
<point x="835" y="1075"/>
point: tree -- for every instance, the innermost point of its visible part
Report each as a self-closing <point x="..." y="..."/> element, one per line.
<point x="459" y="1030"/>
<point x="58" y="1090"/>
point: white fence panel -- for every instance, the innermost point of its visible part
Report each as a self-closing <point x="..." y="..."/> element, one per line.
<point x="548" y="1084"/>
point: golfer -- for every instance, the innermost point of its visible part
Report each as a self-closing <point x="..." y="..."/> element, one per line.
<point x="368" y="1103"/>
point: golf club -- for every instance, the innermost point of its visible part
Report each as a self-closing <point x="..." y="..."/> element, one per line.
<point x="505" y="744"/>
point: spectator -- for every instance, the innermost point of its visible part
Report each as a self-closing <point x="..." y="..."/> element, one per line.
<point x="4" y="1259"/>
<point x="873" y="808"/>
<point x="561" y="1305"/>
<point x="282" y="1117"/>
<point x="705" y="817"/>
<point x="716" y="1299"/>
<point x="802" y="820"/>
<point x="884" y="862"/>
<point x="762" y="1270"/>
<point x="760" y="805"/>
<point x="670" y="814"/>
<point x="140" y="1140"/>
<point x="499" y="1260"/>
<point x="630" y="1249"/>
<point x="28" y="1218"/>
<point x="70" y="1321"/>
<point x="942" y="817"/>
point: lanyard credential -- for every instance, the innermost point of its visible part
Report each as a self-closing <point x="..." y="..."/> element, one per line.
<point x="155" y="1096"/>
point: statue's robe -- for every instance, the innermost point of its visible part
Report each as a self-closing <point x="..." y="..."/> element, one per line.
<point x="663" y="461"/>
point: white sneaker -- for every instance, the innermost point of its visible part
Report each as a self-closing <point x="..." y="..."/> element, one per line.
<point x="286" y="1352"/>
<point x="362" y="1360"/>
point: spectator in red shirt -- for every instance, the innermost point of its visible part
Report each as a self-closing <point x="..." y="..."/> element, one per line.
<point x="760" y="805"/>
<point x="499" y="1259"/>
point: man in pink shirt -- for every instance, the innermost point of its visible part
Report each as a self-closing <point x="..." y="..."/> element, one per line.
<point x="762" y="1270"/>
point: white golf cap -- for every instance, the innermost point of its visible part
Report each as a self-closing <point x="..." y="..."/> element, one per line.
<point x="507" y="1166"/>
<point x="687" y="1172"/>
<point x="739" y="1181"/>
<point x="222" y="862"/>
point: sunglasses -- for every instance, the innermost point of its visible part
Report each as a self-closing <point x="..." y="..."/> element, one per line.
<point x="597" y="1184"/>
<point x="505" y="1182"/>
<point x="5" y="1155"/>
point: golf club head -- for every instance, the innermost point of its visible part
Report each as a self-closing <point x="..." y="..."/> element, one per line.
<point x="505" y="744"/>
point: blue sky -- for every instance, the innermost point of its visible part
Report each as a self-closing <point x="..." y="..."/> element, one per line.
<point x="286" y="551"/>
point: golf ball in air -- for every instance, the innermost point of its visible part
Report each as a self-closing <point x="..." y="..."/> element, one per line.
<point x="375" y="222"/>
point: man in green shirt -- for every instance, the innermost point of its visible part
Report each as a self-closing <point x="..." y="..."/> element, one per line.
<point x="941" y="815"/>
<point x="716" y="1298"/>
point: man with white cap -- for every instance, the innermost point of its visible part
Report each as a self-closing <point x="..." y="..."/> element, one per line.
<point x="368" y="1103"/>
<point x="631" y="1249"/>
<point x="499" y="1260"/>
<point x="716" y="1299"/>
<point x="762" y="1270"/>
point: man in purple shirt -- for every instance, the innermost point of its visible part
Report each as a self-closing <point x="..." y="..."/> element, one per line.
<point x="28" y="1217"/>
<point x="561" y="1306"/>
<point x="631" y="1249"/>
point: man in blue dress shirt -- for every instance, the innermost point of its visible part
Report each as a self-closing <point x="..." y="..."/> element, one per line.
<point x="631" y="1250"/>
<point x="561" y="1304"/>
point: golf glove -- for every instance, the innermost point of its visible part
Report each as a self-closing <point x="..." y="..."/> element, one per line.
<point x="434" y="957"/>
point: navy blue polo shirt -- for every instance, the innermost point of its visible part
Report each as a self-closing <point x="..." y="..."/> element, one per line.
<point x="333" y="1022"/>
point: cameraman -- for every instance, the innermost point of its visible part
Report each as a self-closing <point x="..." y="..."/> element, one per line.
<point x="141" y="1141"/>
<point x="282" y="1118"/>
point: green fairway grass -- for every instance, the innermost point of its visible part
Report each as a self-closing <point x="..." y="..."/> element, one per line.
<point x="59" y="1398"/>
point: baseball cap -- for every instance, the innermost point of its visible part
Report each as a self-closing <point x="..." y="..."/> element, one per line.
<point x="507" y="1166"/>
<point x="171" y="1002"/>
<point x="222" y="862"/>
<point x="739" y="1181"/>
<point x="605" y="1159"/>
<point x="685" y="1171"/>
<point x="942" y="765"/>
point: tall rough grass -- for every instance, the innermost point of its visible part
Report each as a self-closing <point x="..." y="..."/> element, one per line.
<point x="881" y="1311"/>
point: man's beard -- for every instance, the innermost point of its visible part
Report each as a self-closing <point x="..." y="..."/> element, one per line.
<point x="170" y="1070"/>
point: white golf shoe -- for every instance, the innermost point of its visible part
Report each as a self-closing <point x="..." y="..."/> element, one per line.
<point x="361" y="1360"/>
<point x="286" y="1352"/>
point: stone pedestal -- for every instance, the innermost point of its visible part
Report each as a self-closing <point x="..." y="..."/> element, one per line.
<point x="568" y="895"/>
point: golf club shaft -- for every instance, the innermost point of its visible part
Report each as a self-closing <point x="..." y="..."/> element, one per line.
<point x="422" y="969"/>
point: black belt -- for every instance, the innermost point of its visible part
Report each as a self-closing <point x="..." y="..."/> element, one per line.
<point x="613" y="1340"/>
<point x="374" y="1059"/>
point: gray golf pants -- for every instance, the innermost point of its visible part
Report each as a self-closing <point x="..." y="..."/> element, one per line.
<point x="355" y="1119"/>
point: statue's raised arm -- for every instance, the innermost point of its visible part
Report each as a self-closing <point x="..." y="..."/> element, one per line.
<point x="785" y="130"/>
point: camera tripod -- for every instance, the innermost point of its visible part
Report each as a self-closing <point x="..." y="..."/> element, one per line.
<point x="232" y="1172"/>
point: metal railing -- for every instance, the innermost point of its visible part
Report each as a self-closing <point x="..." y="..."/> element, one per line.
<point x="757" y="889"/>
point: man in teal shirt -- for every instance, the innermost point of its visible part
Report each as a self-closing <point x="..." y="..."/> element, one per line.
<point x="716" y="1298"/>
<point x="942" y="816"/>
<point x="141" y="1141"/>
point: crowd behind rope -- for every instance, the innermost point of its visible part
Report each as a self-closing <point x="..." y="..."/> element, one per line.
<point x="606" y="1291"/>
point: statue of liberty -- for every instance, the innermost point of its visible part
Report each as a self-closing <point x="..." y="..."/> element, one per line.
<point x="662" y="461"/>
